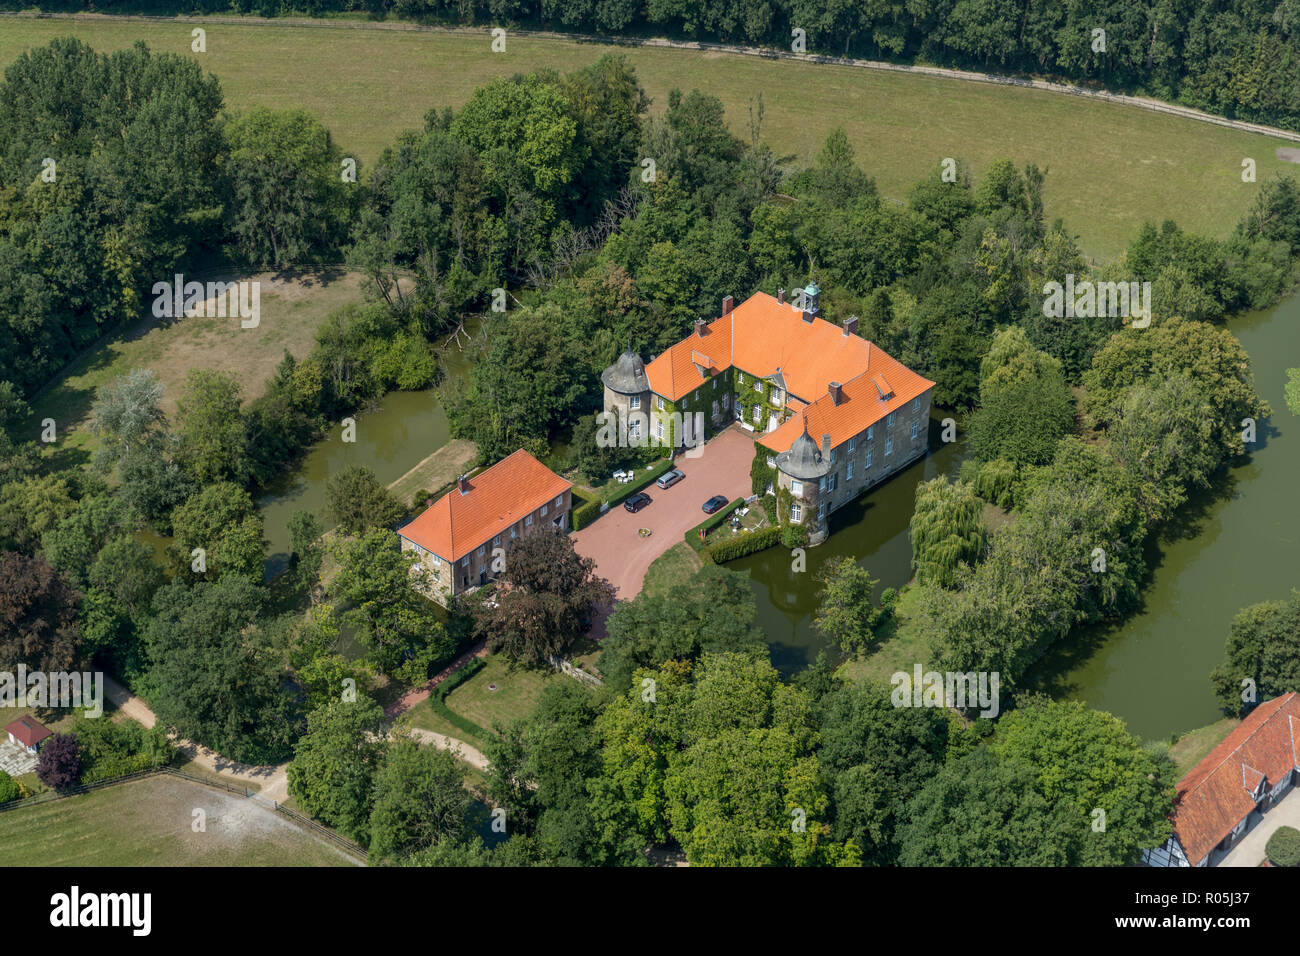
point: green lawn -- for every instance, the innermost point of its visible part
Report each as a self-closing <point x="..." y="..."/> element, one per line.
<point x="1192" y="747"/>
<point x="292" y="308"/>
<point x="149" y="823"/>
<point x="517" y="692"/>
<point x="675" y="566"/>
<point x="1110" y="167"/>
<point x="903" y="645"/>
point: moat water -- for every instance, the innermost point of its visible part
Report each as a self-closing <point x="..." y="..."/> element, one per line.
<point x="1238" y="544"/>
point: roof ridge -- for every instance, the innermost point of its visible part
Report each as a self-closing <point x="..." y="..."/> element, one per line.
<point x="1279" y="701"/>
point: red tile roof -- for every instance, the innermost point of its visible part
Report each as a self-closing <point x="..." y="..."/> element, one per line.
<point x="761" y="336"/>
<point x="860" y="405"/>
<point x="498" y="497"/>
<point x="1218" y="792"/>
<point x="28" y="731"/>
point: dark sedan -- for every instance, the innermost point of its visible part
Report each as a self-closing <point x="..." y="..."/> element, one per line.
<point x="713" y="504"/>
<point x="637" y="502"/>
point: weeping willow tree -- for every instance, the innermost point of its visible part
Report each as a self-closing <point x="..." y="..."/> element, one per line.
<point x="946" y="529"/>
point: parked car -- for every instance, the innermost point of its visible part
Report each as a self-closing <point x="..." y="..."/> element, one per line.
<point x="669" y="478"/>
<point x="637" y="502"/>
<point x="713" y="504"/>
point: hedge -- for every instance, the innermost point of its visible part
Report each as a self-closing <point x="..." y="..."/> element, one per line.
<point x="589" y="512"/>
<point x="438" y="699"/>
<point x="1283" y="847"/>
<point x="708" y="524"/>
<point x="741" y="545"/>
<point x="584" y="513"/>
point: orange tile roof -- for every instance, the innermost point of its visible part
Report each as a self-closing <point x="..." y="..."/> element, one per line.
<point x="1213" y="797"/>
<point x="498" y="497"/>
<point x="860" y="405"/>
<point x="761" y="336"/>
<point x="674" y="374"/>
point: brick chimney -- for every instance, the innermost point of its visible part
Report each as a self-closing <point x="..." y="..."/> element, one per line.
<point x="826" y="446"/>
<point x="728" y="303"/>
<point x="851" y="325"/>
<point x="837" y="392"/>
<point x="780" y="296"/>
<point x="463" y="484"/>
<point x="700" y="326"/>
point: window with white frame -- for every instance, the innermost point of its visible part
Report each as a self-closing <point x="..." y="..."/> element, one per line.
<point x="771" y="461"/>
<point x="758" y="385"/>
<point x="871" y="432"/>
<point x="496" y="542"/>
<point x="482" y="550"/>
<point x="464" y="562"/>
<point x="916" y="404"/>
<point x="634" y="428"/>
<point x="889" y="446"/>
<point x="659" y="429"/>
<point x="659" y="402"/>
<point x="777" y="397"/>
<point x="821" y="483"/>
<point x="853" y="444"/>
<point x="915" y="426"/>
<point x="821" y="510"/>
<point x="796" y="488"/>
<point x="726" y="400"/>
<point x="796" y="512"/>
<point x="636" y="402"/>
<point x="544" y="510"/>
<point x="866" y="461"/>
<point x="715" y="383"/>
<point x="889" y="422"/>
<point x="528" y="521"/>
<point x="514" y="532"/>
<point x="758" y="413"/>
<point x="559" y="500"/>
<point x="848" y="470"/>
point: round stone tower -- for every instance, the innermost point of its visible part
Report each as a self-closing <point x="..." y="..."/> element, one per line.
<point x="627" y="394"/>
<point x="808" y="465"/>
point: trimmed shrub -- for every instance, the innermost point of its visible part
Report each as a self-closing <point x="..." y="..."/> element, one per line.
<point x="438" y="699"/>
<point x="692" y="536"/>
<point x="1283" y="847"/>
<point x="741" y="545"/>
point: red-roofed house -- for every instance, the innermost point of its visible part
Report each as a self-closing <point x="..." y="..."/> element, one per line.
<point x="457" y="535"/>
<point x="28" y="732"/>
<point x="835" y="414"/>
<point x="1228" y="792"/>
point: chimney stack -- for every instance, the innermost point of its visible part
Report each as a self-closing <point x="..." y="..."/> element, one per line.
<point x="851" y="325"/>
<point x="837" y="392"/>
<point x="428" y="502"/>
<point x="780" y="296"/>
<point x="463" y="484"/>
<point x="700" y="326"/>
<point x="826" y="446"/>
<point x="728" y="303"/>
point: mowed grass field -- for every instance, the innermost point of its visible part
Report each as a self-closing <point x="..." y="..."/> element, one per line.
<point x="1110" y="167"/>
<point x="149" y="823"/>
<point x="292" y="308"/>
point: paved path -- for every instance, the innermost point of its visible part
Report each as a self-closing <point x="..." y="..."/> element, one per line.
<point x="1250" y="851"/>
<point x="418" y="694"/>
<point x="273" y="779"/>
<point x="623" y="556"/>
<point x="469" y="754"/>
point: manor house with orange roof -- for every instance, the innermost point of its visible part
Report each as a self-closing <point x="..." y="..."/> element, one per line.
<point x="832" y="413"/>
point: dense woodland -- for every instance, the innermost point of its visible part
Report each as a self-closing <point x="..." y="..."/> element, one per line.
<point x="695" y="741"/>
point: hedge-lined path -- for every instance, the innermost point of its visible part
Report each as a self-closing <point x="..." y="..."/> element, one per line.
<point x="419" y="694"/>
<point x="613" y="541"/>
<point x="467" y="753"/>
<point x="273" y="779"/>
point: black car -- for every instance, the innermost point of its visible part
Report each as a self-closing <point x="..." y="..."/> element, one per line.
<point x="713" y="504"/>
<point x="637" y="502"/>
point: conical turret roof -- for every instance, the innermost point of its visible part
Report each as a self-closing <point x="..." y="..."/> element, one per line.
<point x="627" y="375"/>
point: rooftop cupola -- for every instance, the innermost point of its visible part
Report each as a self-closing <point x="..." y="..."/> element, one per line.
<point x="809" y="300"/>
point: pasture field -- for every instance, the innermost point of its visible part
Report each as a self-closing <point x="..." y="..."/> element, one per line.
<point x="293" y="306"/>
<point x="149" y="823"/>
<point x="1110" y="167"/>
